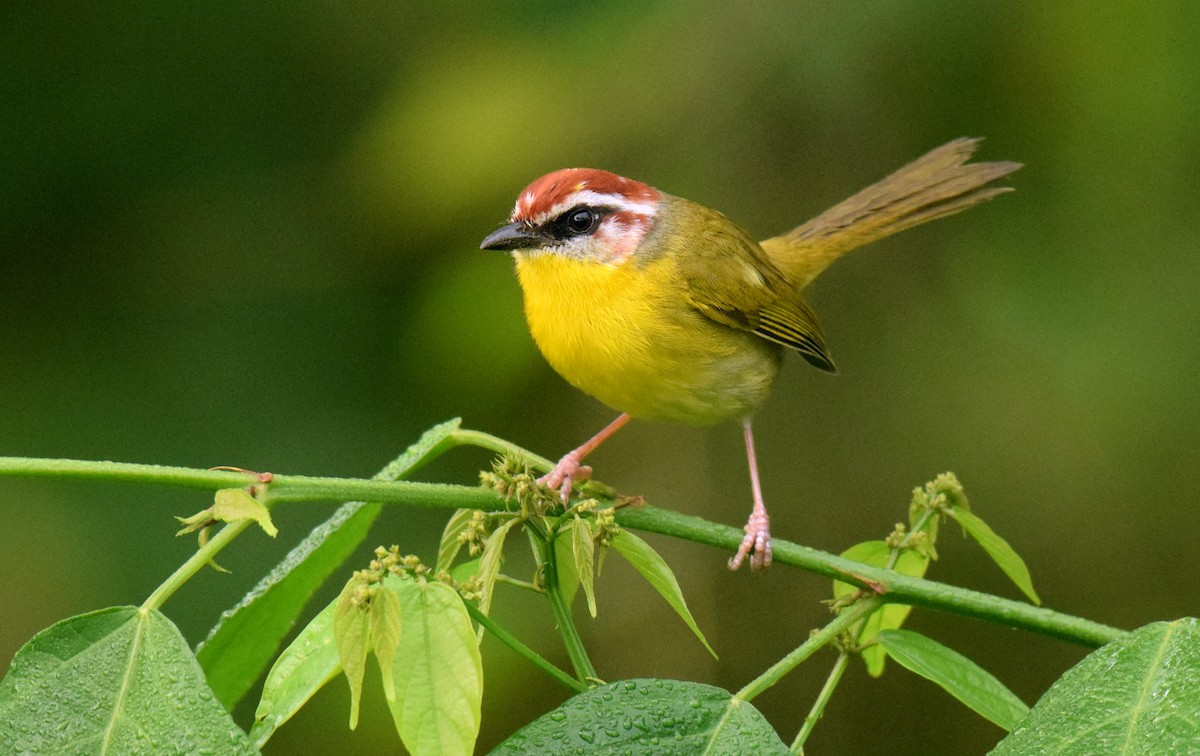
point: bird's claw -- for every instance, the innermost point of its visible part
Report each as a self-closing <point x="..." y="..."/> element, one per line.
<point x="565" y="475"/>
<point x="756" y="544"/>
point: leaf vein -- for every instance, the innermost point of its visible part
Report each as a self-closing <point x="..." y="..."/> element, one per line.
<point x="123" y="691"/>
<point x="1139" y="708"/>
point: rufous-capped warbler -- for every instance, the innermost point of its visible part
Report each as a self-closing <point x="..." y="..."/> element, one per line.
<point x="666" y="310"/>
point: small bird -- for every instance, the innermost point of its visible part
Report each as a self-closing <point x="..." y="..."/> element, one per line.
<point x="666" y="310"/>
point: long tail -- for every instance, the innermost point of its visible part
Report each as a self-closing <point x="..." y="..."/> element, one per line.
<point x="938" y="184"/>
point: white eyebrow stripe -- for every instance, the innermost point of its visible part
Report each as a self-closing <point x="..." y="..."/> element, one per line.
<point x="588" y="197"/>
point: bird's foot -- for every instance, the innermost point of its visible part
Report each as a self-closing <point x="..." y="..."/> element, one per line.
<point x="756" y="544"/>
<point x="566" y="474"/>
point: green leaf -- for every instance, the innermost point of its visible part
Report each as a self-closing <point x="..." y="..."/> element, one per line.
<point x="603" y="553"/>
<point x="1137" y="694"/>
<point x="437" y="669"/>
<point x="891" y="616"/>
<point x="650" y="717"/>
<point x="385" y="635"/>
<point x="564" y="560"/>
<point x="464" y="571"/>
<point x="233" y="504"/>
<point x="489" y="563"/>
<point x="246" y="637"/>
<point x="449" y="546"/>
<point x="998" y="549"/>
<point x="652" y="567"/>
<point x="958" y="676"/>
<point x="310" y="661"/>
<point x="120" y="680"/>
<point x="584" y="550"/>
<point x="351" y="635"/>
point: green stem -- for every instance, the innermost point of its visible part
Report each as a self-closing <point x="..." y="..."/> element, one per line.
<point x="570" y="635"/>
<point x="818" y="707"/>
<point x="839" y="667"/>
<point x="815" y="642"/>
<point x="895" y="588"/>
<point x="125" y="472"/>
<point x="464" y="437"/>
<point x="288" y="488"/>
<point x="518" y="583"/>
<point x="194" y="564"/>
<point x="532" y="656"/>
<point x="563" y="619"/>
<point x="283" y="488"/>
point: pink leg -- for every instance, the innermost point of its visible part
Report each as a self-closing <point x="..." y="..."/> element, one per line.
<point x="757" y="543"/>
<point x="569" y="471"/>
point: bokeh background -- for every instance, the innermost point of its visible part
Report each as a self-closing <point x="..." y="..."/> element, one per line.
<point x="248" y="234"/>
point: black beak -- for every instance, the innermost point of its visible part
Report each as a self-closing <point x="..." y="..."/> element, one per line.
<point x="513" y="236"/>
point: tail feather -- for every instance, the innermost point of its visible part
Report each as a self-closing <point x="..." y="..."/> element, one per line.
<point x="938" y="184"/>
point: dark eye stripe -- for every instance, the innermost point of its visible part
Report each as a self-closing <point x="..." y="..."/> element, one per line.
<point x="581" y="220"/>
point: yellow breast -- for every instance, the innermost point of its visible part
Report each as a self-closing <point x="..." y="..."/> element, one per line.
<point x="619" y="333"/>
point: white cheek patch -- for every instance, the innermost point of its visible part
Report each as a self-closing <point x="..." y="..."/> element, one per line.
<point x="620" y="240"/>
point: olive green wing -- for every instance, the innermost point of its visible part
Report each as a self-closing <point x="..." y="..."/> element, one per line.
<point x="730" y="280"/>
<point x="794" y="324"/>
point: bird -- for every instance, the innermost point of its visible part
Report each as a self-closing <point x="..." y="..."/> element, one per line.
<point x="664" y="309"/>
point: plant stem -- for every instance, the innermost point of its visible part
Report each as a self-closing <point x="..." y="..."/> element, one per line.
<point x="194" y="564"/>
<point x="839" y="667"/>
<point x="180" y="477"/>
<point x="518" y="583"/>
<point x="815" y="642"/>
<point x="570" y="635"/>
<point x="548" y="562"/>
<point x="289" y="488"/>
<point x="818" y="707"/>
<point x="532" y="656"/>
<point x="283" y="488"/>
<point x="895" y="588"/>
<point x="464" y="437"/>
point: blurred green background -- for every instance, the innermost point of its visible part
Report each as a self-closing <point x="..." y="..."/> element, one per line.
<point x="246" y="234"/>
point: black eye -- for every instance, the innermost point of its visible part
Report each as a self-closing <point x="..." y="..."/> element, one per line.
<point x="580" y="221"/>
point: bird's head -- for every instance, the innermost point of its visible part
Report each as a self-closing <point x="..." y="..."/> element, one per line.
<point x="580" y="213"/>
